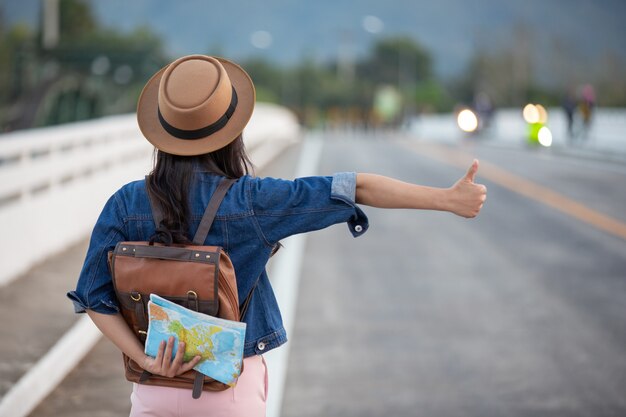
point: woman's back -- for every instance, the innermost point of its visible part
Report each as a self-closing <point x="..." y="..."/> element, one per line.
<point x="254" y="216"/>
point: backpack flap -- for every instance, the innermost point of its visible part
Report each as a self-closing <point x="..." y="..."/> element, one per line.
<point x="185" y="275"/>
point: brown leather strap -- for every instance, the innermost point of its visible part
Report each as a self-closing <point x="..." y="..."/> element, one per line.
<point x="157" y="213"/>
<point x="211" y="211"/>
<point x="145" y="375"/>
<point x="140" y="313"/>
<point x="198" y="383"/>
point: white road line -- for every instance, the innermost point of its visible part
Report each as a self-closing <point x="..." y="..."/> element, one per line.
<point x="285" y="273"/>
<point x="50" y="370"/>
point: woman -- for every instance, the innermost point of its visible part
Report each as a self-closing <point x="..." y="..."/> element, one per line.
<point x="193" y="111"/>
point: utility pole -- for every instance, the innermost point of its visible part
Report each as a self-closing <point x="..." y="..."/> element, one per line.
<point x="345" y="58"/>
<point x="50" y="22"/>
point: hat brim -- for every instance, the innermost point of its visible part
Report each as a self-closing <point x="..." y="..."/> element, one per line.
<point x="148" y="120"/>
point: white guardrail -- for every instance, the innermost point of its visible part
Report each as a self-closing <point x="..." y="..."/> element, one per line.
<point x="54" y="181"/>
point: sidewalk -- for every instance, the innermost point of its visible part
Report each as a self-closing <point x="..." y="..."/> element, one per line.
<point x="25" y="336"/>
<point x="96" y="387"/>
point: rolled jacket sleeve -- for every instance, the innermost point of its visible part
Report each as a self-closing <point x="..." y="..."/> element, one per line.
<point x="94" y="290"/>
<point x="343" y="188"/>
<point x="284" y="208"/>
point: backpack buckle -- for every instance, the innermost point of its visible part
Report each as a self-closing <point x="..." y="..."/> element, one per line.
<point x="192" y="297"/>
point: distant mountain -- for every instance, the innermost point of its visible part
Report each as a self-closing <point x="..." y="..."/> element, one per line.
<point x="450" y="29"/>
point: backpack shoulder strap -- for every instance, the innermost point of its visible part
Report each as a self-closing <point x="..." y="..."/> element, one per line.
<point x="211" y="210"/>
<point x="157" y="213"/>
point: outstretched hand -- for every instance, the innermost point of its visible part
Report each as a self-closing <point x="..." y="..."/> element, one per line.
<point x="466" y="197"/>
<point x="164" y="365"/>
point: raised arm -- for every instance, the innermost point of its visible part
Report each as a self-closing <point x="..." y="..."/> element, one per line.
<point x="464" y="198"/>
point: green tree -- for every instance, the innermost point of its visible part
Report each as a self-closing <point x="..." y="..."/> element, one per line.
<point x="267" y="79"/>
<point x="398" y="61"/>
<point x="75" y="20"/>
<point x="93" y="71"/>
<point x="431" y="95"/>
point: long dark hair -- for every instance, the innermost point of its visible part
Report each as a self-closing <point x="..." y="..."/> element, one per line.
<point x="169" y="181"/>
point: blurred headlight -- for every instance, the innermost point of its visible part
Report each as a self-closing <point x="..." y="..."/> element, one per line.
<point x="531" y="113"/>
<point x="467" y="120"/>
<point x="544" y="136"/>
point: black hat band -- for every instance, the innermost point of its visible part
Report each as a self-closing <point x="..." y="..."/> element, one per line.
<point x="204" y="131"/>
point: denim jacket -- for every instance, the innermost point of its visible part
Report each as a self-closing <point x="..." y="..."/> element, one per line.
<point x="255" y="215"/>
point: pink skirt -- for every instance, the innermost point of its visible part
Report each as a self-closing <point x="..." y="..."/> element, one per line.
<point x="247" y="398"/>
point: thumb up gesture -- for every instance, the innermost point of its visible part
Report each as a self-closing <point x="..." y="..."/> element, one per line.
<point x="465" y="197"/>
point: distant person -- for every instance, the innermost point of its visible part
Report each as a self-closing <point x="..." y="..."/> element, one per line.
<point x="484" y="108"/>
<point x="194" y="111"/>
<point x="570" y="104"/>
<point x="586" y="106"/>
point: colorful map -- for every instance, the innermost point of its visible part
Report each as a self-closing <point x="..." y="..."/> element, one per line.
<point x="219" y="342"/>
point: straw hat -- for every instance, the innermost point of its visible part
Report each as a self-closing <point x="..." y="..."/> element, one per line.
<point x="195" y="105"/>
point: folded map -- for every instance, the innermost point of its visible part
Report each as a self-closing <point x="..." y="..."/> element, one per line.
<point x="219" y="342"/>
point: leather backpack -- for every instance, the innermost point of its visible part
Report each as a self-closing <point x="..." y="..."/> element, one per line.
<point x="198" y="277"/>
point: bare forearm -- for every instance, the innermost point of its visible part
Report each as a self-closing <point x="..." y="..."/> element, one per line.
<point x="384" y="192"/>
<point x="465" y="198"/>
<point x="115" y="328"/>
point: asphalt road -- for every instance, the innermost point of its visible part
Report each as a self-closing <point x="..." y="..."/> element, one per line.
<point x="519" y="312"/>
